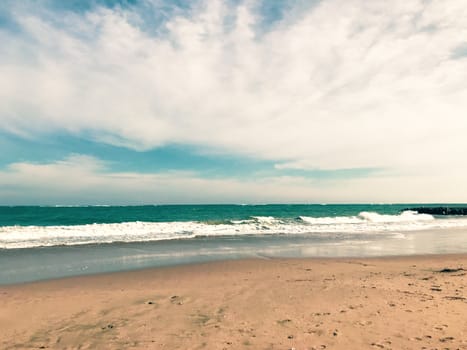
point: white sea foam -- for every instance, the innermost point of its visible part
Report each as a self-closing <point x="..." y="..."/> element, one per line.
<point x="330" y="220"/>
<point x="367" y="217"/>
<point x="406" y="216"/>
<point x="238" y="222"/>
<point x="364" y="223"/>
<point x="265" y="219"/>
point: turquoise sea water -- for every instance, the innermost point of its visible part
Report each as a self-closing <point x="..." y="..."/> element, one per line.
<point x="79" y="215"/>
<point x="49" y="242"/>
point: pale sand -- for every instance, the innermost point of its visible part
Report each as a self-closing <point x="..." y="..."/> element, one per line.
<point x="388" y="303"/>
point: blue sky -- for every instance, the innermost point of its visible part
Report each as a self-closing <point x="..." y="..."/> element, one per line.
<point x="153" y="101"/>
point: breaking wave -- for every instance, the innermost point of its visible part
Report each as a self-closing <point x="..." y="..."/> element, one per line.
<point x="12" y="237"/>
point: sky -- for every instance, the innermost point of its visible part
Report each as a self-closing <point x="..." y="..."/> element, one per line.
<point x="235" y="101"/>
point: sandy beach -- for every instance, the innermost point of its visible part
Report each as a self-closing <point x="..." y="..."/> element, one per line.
<point x="386" y="303"/>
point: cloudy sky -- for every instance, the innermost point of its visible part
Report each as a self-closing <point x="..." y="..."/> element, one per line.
<point x="158" y="101"/>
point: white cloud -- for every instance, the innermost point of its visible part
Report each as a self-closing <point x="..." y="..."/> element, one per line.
<point x="343" y="84"/>
<point x="83" y="179"/>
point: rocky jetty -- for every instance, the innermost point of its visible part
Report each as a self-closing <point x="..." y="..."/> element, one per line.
<point x="440" y="210"/>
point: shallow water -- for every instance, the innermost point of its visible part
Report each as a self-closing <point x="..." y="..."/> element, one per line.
<point x="22" y="265"/>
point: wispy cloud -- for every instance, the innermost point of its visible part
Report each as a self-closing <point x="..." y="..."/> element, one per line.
<point x="340" y="84"/>
<point x="81" y="179"/>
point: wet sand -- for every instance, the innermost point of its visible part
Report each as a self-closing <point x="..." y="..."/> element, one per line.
<point x="386" y="303"/>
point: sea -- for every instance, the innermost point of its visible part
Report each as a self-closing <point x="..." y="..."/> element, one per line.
<point x="47" y="242"/>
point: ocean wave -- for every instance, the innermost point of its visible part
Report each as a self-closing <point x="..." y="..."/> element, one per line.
<point x="367" y="217"/>
<point x="405" y="216"/>
<point x="365" y="222"/>
<point x="330" y="220"/>
<point x="265" y="219"/>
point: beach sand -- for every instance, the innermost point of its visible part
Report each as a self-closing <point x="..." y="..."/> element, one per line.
<point x="385" y="303"/>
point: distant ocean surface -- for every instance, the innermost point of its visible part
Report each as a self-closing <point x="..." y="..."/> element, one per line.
<point x="49" y="242"/>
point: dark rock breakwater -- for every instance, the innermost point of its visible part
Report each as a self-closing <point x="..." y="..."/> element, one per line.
<point x="440" y="210"/>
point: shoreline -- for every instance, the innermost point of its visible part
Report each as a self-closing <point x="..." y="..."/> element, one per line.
<point x="394" y="302"/>
<point x="187" y="265"/>
<point x="35" y="264"/>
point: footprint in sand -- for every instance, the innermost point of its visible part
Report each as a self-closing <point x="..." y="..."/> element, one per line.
<point x="178" y="300"/>
<point x="381" y="346"/>
<point x="441" y="327"/>
<point x="446" y="339"/>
